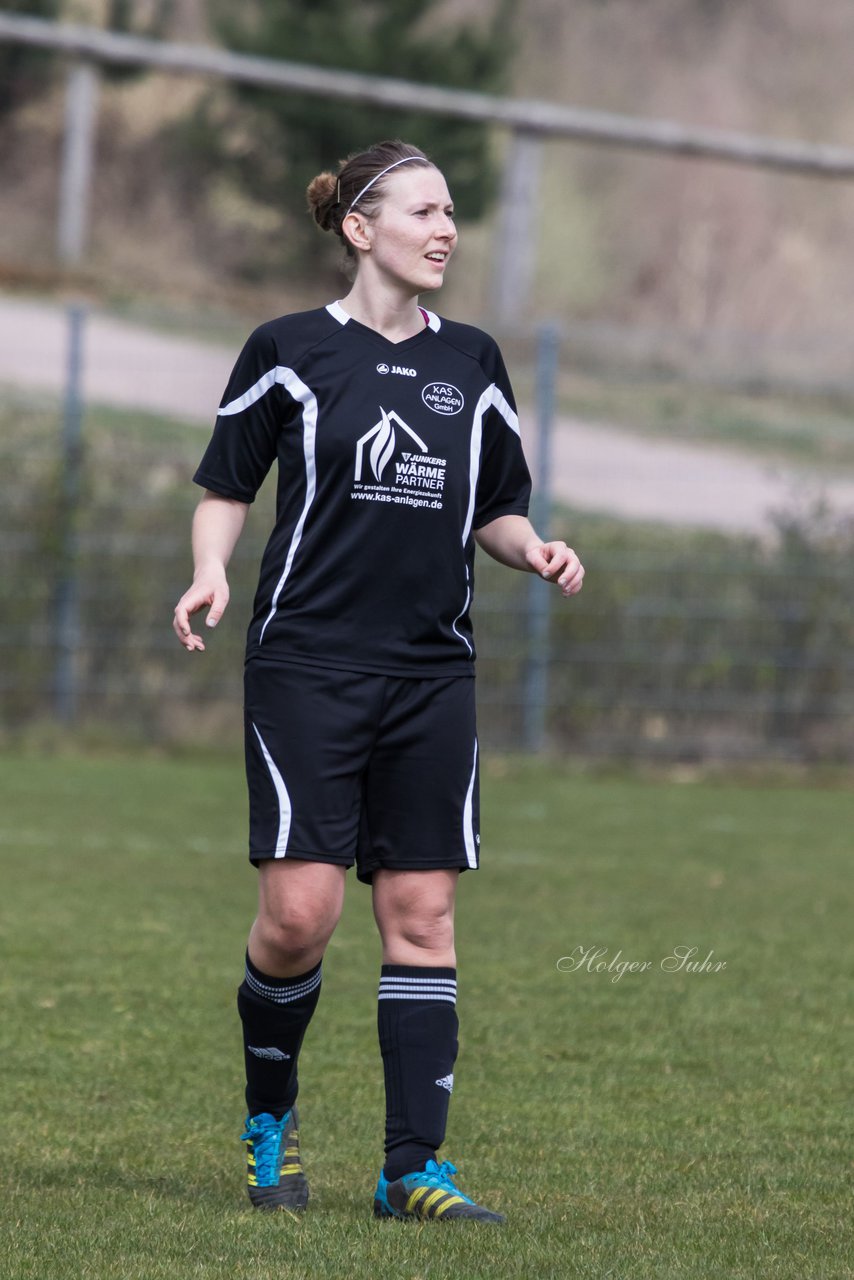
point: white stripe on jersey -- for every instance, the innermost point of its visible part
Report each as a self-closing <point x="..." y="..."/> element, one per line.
<point x="494" y="398"/>
<point x="503" y="406"/>
<point x="468" y="816"/>
<point x="300" y="392"/>
<point x="462" y="614"/>
<point x="285" y="810"/>
<point x="261" y="387"/>
<point x="337" y="312"/>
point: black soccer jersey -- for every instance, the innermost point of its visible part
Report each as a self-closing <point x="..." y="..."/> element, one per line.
<point x="389" y="454"/>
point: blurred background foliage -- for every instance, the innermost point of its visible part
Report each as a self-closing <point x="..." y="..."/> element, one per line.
<point x="262" y="148"/>
<point x="25" y="72"/>
<point x="199" y="193"/>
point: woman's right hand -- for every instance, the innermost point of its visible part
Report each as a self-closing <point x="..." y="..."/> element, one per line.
<point x="209" y="588"/>
<point x="217" y="525"/>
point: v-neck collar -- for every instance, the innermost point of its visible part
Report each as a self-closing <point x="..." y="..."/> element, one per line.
<point x="431" y="323"/>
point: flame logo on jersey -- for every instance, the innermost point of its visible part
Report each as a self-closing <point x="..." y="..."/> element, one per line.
<point x="384" y="445"/>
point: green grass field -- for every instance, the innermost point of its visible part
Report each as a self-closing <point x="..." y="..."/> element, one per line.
<point x="692" y="1126"/>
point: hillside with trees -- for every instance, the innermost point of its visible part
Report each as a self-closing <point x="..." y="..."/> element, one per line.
<point x="199" y="188"/>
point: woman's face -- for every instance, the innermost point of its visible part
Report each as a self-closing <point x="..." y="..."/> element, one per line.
<point x="412" y="235"/>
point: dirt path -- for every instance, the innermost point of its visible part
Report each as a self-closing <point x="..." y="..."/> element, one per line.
<point x="595" y="468"/>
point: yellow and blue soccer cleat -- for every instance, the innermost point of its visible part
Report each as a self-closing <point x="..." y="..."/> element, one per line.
<point x="275" y="1174"/>
<point x="428" y="1195"/>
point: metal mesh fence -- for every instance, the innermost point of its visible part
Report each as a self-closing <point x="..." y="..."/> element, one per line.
<point x="681" y="646"/>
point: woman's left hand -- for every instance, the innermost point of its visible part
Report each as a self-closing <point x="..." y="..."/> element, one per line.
<point x="558" y="563"/>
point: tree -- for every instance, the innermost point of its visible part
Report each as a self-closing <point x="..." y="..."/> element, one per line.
<point x="273" y="143"/>
<point x="148" y="18"/>
<point x="25" y="71"/>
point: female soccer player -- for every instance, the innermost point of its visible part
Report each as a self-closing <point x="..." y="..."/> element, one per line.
<point x="398" y="449"/>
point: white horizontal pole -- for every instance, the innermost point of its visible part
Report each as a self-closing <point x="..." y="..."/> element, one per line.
<point x="546" y="119"/>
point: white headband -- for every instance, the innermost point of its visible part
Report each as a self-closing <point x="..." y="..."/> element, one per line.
<point x="368" y="185"/>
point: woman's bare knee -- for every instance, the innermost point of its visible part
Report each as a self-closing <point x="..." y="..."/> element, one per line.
<point x="415" y="915"/>
<point x="298" y="910"/>
<point x="290" y="937"/>
<point x="429" y="930"/>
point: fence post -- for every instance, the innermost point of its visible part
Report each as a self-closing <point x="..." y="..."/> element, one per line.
<point x="67" y="586"/>
<point x="540" y="593"/>
<point x="78" y="150"/>
<point x="516" y="230"/>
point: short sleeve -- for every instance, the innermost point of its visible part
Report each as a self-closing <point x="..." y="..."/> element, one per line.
<point x="244" y="443"/>
<point x="504" y="481"/>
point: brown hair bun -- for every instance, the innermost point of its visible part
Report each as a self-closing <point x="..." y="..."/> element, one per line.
<point x="321" y="198"/>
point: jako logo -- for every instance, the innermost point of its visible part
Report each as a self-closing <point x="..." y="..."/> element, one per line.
<point x="397" y="368"/>
<point x="441" y="397"/>
<point x="382" y="368"/>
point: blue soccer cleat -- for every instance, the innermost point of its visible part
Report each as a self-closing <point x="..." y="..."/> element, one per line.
<point x="275" y="1174"/>
<point x="428" y="1195"/>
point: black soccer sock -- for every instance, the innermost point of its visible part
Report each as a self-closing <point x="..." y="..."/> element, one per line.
<point x="275" y="1013"/>
<point x="417" y="1023"/>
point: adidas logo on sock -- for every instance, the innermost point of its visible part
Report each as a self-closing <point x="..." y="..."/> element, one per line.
<point x="273" y="1053"/>
<point x="447" y="1082"/>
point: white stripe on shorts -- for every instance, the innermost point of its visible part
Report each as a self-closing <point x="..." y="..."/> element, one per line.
<point x="285" y="811"/>
<point x="469" y="833"/>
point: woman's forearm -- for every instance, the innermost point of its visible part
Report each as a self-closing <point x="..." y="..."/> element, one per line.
<point x="508" y="540"/>
<point x="217" y="525"/>
<point x="513" y="541"/>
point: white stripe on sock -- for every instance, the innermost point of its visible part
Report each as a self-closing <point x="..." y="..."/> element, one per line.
<point x="284" y="994"/>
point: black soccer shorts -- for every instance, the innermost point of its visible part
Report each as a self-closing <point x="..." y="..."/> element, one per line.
<point x="345" y="768"/>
